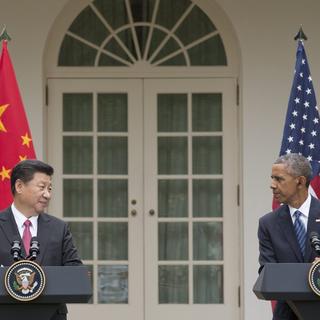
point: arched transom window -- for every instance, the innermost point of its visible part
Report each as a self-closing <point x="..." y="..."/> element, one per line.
<point x="129" y="32"/>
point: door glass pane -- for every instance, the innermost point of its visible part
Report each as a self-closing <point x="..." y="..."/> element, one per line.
<point x="112" y="155"/>
<point x="112" y="241"/>
<point x="208" y="284"/>
<point x="207" y="155"/>
<point x="82" y="233"/>
<point x="206" y="112"/>
<point x="113" y="47"/>
<point x="173" y="284"/>
<point x="142" y="9"/>
<point x="77" y="155"/>
<point x="207" y="198"/>
<point x="187" y="31"/>
<point x="77" y="111"/>
<point x="173" y="241"/>
<point x="113" y="284"/>
<point x="78" y="201"/>
<point x="171" y="46"/>
<point x="127" y="39"/>
<point x="178" y="60"/>
<point x="112" y="112"/>
<point x="113" y="11"/>
<point x="142" y="36"/>
<point x="76" y="53"/>
<point x="172" y="112"/>
<point x="207" y="241"/>
<point x="113" y="198"/>
<point x="157" y="37"/>
<point x="172" y="155"/>
<point x="173" y="198"/>
<point x="208" y="53"/>
<point x="107" y="61"/>
<point x="170" y="11"/>
<point x="89" y="27"/>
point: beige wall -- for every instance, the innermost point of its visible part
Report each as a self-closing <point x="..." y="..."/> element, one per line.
<point x="265" y="31"/>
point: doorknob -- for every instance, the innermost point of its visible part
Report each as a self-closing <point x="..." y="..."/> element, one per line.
<point x="151" y="212"/>
<point x="133" y="212"/>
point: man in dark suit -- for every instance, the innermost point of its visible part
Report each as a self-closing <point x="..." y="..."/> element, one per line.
<point x="284" y="233"/>
<point x="31" y="188"/>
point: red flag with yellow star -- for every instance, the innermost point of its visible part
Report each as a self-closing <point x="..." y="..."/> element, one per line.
<point x="15" y="137"/>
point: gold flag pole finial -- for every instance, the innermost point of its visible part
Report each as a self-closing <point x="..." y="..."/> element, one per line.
<point x="300" y="35"/>
<point x="4" y="34"/>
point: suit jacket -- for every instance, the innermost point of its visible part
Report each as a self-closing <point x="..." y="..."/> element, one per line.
<point x="278" y="243"/>
<point x="55" y="239"/>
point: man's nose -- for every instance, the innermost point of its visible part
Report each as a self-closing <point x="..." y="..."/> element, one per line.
<point x="47" y="194"/>
<point x="273" y="184"/>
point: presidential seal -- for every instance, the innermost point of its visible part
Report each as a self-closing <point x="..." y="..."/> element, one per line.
<point x="24" y="280"/>
<point x="314" y="277"/>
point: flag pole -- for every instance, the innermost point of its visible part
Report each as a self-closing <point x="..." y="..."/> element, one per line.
<point x="300" y="35"/>
<point x="4" y="34"/>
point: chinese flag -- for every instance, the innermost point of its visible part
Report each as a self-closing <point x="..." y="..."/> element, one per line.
<point x="15" y="137"/>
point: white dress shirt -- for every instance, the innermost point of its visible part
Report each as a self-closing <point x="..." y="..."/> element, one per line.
<point x="20" y="218"/>
<point x="304" y="209"/>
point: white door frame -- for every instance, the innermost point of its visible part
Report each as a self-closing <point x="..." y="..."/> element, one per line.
<point x="134" y="309"/>
<point x="230" y="308"/>
<point x="142" y="235"/>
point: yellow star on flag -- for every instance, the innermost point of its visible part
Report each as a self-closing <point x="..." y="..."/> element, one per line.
<point x="2" y="110"/>
<point x="26" y="140"/>
<point x="22" y="158"/>
<point x="4" y="173"/>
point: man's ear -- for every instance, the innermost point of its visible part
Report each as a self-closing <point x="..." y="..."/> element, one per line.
<point x="19" y="186"/>
<point x="302" y="181"/>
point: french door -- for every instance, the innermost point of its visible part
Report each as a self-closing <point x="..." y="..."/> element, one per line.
<point x="146" y="174"/>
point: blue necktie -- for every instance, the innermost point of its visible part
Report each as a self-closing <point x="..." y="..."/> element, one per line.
<point x="300" y="231"/>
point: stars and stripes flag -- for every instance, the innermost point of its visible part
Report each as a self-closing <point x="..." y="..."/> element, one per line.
<point x="301" y="132"/>
<point x="302" y="126"/>
<point x="15" y="137"/>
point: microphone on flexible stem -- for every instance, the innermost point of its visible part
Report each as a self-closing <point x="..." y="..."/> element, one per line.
<point x="16" y="250"/>
<point x="315" y="242"/>
<point x="34" y="248"/>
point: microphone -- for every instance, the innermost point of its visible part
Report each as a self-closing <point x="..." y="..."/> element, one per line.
<point x="315" y="242"/>
<point x="16" y="250"/>
<point x="34" y="248"/>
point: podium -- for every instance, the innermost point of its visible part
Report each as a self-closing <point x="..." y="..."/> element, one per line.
<point x="68" y="284"/>
<point x="289" y="282"/>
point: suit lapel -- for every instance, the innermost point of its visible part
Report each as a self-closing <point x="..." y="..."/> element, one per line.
<point x="9" y="227"/>
<point x="314" y="214"/>
<point x="285" y="223"/>
<point x="43" y="235"/>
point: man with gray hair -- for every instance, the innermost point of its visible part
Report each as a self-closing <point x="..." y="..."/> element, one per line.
<point x="283" y="234"/>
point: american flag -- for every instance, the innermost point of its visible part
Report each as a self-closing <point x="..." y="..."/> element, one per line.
<point x="302" y="127"/>
<point x="301" y="132"/>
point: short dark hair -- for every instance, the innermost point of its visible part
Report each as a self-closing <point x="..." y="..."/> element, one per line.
<point x="26" y="169"/>
<point x="297" y="165"/>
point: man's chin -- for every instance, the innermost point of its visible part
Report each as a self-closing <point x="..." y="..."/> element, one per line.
<point x="40" y="209"/>
<point x="278" y="198"/>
